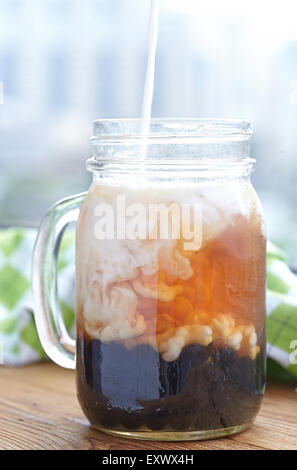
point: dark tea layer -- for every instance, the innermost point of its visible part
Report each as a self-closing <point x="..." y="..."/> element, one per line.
<point x="206" y="388"/>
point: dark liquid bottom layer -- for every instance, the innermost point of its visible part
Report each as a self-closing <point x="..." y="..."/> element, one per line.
<point x="206" y="388"/>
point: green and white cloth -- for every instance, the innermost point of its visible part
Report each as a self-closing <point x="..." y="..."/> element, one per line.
<point x="19" y="342"/>
<point x="281" y="310"/>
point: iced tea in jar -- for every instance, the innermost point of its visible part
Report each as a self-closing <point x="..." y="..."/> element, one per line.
<point x="170" y="281"/>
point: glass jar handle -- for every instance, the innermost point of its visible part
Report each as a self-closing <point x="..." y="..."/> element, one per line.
<point x="57" y="343"/>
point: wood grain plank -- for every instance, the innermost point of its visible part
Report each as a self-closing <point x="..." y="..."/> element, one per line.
<point x="39" y="410"/>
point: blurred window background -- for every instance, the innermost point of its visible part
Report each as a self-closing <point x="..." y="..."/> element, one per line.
<point x="64" y="63"/>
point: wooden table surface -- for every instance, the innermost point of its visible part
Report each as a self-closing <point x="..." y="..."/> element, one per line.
<point x="39" y="410"/>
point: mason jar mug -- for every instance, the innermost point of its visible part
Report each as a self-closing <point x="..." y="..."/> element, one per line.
<point x="170" y="281"/>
